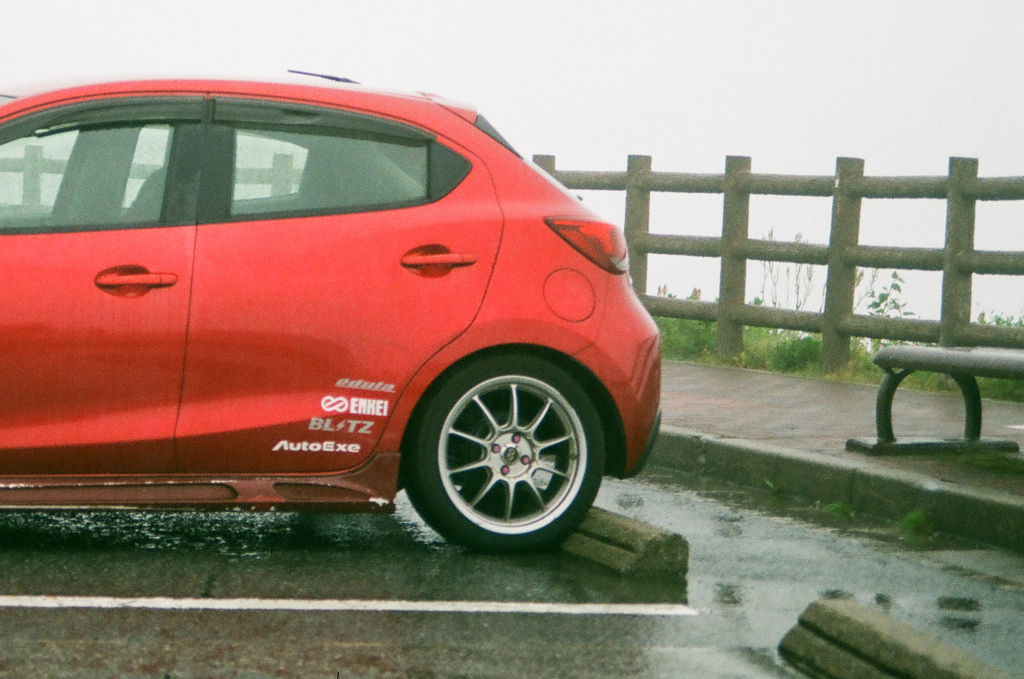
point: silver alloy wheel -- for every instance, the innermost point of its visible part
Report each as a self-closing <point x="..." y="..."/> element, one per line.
<point x="512" y="454"/>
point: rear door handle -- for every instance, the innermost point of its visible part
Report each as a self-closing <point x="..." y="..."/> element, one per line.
<point x="149" y="280"/>
<point x="435" y="260"/>
<point x="132" y="280"/>
<point x="450" y="259"/>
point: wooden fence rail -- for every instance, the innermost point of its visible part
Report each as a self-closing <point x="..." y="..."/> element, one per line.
<point x="838" y="324"/>
<point x="280" y="176"/>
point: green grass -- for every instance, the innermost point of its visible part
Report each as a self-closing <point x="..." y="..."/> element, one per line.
<point x="1000" y="463"/>
<point x="796" y="353"/>
<point x="839" y="510"/>
<point x="916" y="524"/>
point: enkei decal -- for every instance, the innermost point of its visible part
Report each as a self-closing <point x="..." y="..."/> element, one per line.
<point x="355" y="406"/>
<point x="317" y="446"/>
<point x="351" y="426"/>
<point x="346" y="383"/>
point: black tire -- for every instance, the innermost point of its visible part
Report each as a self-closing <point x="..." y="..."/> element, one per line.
<point x="497" y="482"/>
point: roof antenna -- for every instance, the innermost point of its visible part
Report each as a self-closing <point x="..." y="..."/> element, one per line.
<point x="335" y="78"/>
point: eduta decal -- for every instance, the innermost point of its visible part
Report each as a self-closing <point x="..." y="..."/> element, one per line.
<point x="346" y="383"/>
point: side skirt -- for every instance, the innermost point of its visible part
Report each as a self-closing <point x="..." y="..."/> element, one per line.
<point x="370" y="488"/>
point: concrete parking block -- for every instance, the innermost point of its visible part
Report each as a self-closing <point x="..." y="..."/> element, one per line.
<point x="819" y="657"/>
<point x="842" y="639"/>
<point x="627" y="546"/>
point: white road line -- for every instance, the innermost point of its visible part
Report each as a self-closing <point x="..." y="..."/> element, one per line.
<point x="380" y="605"/>
<point x="1015" y="426"/>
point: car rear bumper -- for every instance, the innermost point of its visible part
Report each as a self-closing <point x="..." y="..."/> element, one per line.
<point x="626" y="359"/>
<point x="645" y="456"/>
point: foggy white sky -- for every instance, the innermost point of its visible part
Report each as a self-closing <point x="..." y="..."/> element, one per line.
<point x="793" y="84"/>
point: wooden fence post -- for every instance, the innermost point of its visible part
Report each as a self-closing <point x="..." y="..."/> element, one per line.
<point x="732" y="285"/>
<point x="956" y="283"/>
<point x="32" y="173"/>
<point x="841" y="280"/>
<point x="545" y="162"/>
<point x="281" y="174"/>
<point x="637" y="221"/>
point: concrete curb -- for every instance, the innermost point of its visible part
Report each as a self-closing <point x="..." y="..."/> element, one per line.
<point x="983" y="515"/>
<point x="627" y="546"/>
<point x="842" y="639"/>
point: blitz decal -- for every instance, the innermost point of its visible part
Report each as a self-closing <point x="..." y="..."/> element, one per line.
<point x="352" y="426"/>
<point x="317" y="446"/>
<point x="354" y="405"/>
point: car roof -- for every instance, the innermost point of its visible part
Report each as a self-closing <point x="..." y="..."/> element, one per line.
<point x="416" y="107"/>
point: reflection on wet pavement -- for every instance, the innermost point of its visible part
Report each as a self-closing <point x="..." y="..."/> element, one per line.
<point x="756" y="561"/>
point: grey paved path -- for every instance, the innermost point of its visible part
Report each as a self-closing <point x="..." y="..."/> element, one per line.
<point x="817" y="416"/>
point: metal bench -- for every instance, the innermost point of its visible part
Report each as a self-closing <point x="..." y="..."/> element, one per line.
<point x="964" y="366"/>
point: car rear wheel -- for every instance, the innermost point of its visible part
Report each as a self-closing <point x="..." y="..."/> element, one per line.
<point x="509" y="456"/>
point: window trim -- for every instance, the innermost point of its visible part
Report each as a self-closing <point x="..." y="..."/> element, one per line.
<point x="183" y="113"/>
<point x="236" y="112"/>
<point x="199" y="182"/>
<point x="103" y="112"/>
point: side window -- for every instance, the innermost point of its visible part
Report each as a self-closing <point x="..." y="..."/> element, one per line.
<point x="265" y="168"/>
<point x="293" y="172"/>
<point x="31" y="171"/>
<point x="147" y="176"/>
<point x="84" y="178"/>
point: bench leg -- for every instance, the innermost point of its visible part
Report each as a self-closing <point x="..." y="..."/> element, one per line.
<point x="886" y="443"/>
<point x="883" y="404"/>
<point x="972" y="405"/>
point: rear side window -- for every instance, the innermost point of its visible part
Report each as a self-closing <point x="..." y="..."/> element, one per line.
<point x="278" y="171"/>
<point x="281" y="160"/>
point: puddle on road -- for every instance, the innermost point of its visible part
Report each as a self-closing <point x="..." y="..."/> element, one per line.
<point x="909" y="535"/>
<point x="758" y="558"/>
<point x="297" y="555"/>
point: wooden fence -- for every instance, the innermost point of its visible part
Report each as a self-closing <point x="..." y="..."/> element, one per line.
<point x="280" y="177"/>
<point x="838" y="324"/>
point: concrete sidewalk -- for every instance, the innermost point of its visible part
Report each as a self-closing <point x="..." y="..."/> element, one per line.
<point x="749" y="426"/>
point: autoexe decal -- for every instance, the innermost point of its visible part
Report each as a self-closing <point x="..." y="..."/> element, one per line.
<point x="351" y="426"/>
<point x="354" y="405"/>
<point x="317" y="446"/>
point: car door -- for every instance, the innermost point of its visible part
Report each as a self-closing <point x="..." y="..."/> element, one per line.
<point x="336" y="253"/>
<point x="97" y="203"/>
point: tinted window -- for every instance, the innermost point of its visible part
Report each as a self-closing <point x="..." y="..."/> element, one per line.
<point x="84" y="177"/>
<point x="281" y="171"/>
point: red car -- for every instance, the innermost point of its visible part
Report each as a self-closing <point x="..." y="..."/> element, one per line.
<point x="306" y="296"/>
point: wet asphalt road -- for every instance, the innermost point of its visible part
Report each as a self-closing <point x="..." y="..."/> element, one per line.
<point x="755" y="563"/>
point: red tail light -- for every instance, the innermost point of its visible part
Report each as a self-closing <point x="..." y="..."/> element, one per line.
<point x="600" y="242"/>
